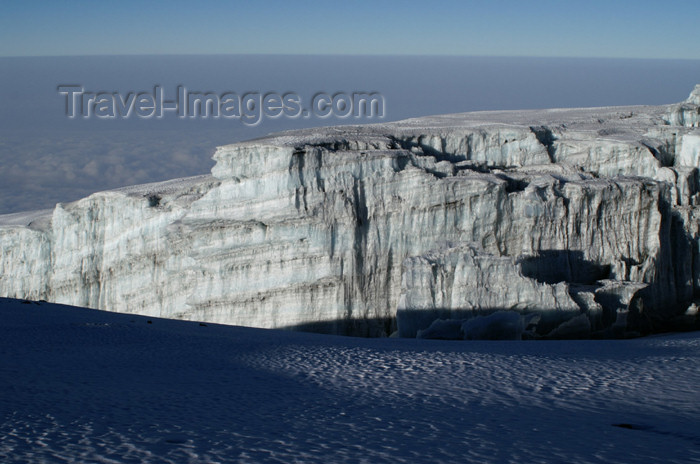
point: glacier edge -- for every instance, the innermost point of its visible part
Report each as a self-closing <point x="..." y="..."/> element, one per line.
<point x="367" y="230"/>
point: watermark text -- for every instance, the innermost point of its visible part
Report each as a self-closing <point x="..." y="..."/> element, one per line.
<point x="250" y="107"/>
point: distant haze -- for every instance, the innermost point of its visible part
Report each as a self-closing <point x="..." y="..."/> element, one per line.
<point x="591" y="28"/>
<point x="46" y="157"/>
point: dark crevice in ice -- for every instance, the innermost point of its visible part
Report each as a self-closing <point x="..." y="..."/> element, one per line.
<point x="546" y="137"/>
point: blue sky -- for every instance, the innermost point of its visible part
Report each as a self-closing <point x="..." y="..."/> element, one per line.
<point x="46" y="157"/>
<point x="593" y="28"/>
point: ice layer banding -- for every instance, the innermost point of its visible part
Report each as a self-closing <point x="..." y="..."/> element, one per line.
<point x="561" y="223"/>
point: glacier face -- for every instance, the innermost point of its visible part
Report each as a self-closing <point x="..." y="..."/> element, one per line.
<point x="570" y="214"/>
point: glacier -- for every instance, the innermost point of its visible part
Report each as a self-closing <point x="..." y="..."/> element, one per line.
<point x="585" y="218"/>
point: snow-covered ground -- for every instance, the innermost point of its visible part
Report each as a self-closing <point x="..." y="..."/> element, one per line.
<point x="80" y="385"/>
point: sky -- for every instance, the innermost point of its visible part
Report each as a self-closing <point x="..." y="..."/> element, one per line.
<point x="424" y="58"/>
<point x="541" y="28"/>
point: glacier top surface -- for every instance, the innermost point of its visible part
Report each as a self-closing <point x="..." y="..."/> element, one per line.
<point x="166" y="187"/>
<point x="626" y="122"/>
<point x="39" y="219"/>
<point x="25" y="218"/>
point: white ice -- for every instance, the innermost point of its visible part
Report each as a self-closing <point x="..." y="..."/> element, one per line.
<point x="321" y="228"/>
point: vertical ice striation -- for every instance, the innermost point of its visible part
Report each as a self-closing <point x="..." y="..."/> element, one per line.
<point x="583" y="217"/>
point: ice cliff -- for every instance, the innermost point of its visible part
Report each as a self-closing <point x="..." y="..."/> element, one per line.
<point x="582" y="221"/>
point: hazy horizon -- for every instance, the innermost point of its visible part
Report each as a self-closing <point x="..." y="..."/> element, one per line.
<point x="48" y="157"/>
<point x="544" y="28"/>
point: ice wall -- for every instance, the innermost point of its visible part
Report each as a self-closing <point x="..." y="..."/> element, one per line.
<point x="362" y="229"/>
